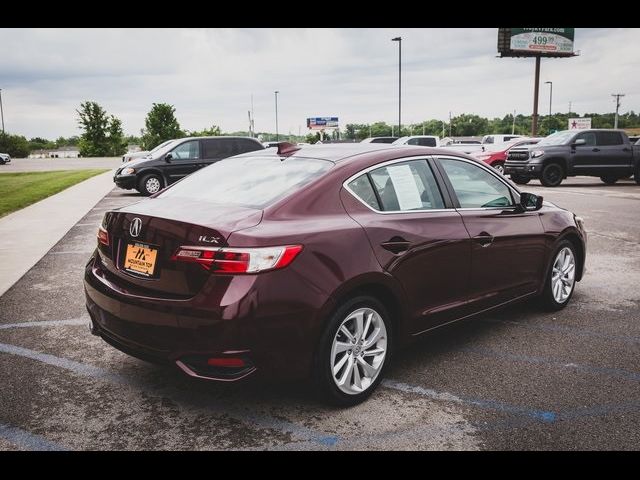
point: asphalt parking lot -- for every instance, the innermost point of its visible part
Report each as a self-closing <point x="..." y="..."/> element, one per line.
<point x="514" y="379"/>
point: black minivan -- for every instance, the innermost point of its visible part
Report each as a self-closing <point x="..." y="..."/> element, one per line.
<point x="178" y="159"/>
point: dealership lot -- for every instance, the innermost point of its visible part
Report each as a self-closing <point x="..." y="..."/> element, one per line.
<point x="514" y="379"/>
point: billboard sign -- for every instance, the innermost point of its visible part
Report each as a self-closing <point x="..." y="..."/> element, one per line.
<point x="322" y="123"/>
<point x="542" y="40"/>
<point x="579" y="123"/>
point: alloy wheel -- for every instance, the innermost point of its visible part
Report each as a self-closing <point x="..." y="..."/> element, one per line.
<point x="563" y="275"/>
<point x="358" y="351"/>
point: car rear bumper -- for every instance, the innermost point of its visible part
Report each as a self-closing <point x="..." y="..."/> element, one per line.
<point x="250" y="319"/>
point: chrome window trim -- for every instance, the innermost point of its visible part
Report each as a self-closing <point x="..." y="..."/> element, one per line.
<point x="491" y="171"/>
<point x="345" y="185"/>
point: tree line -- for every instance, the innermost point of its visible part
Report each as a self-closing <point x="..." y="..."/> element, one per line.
<point x="102" y="134"/>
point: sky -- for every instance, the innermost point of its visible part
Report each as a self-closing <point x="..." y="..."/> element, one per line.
<point x="209" y="75"/>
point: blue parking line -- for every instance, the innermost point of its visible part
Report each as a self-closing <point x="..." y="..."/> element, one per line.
<point x="263" y="421"/>
<point x="46" y="323"/>
<point x="540" y="415"/>
<point x="607" y="371"/>
<point x="26" y="440"/>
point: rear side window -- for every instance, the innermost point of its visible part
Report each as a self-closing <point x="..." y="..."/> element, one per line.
<point x="254" y="182"/>
<point x="609" y="138"/>
<point x="211" y="149"/>
<point x="245" y="145"/>
<point x="362" y="189"/>
<point x="406" y="186"/>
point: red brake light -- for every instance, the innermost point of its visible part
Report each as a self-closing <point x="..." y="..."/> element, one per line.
<point x="103" y="236"/>
<point x="238" y="260"/>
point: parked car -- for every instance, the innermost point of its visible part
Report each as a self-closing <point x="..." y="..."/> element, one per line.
<point x="467" y="147"/>
<point x="604" y="153"/>
<point x="496" y="154"/>
<point x="499" y="138"/>
<point x="5" y="158"/>
<point x="322" y="262"/>
<point x="379" y="140"/>
<point x="177" y="159"/>
<point x="127" y="157"/>
<point x="271" y="144"/>
<point x="424" y="140"/>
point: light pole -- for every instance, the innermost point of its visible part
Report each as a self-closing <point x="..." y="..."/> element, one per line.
<point x="1" y="112"/>
<point x="399" y="40"/>
<point x="277" y="136"/>
<point x="550" y="95"/>
<point x="617" y="95"/>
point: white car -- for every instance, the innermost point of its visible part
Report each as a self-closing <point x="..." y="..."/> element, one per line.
<point x="5" y="158"/>
<point x="133" y="155"/>
<point x="499" y="138"/>
<point x="464" y="147"/>
<point x="423" y="140"/>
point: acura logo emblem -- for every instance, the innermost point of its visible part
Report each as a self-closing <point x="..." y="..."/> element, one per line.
<point x="135" y="227"/>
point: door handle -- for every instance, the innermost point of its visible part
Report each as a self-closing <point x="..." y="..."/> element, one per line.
<point x="484" y="239"/>
<point x="396" y="245"/>
<point x="595" y="150"/>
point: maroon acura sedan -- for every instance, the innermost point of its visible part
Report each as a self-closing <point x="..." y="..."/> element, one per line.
<point x="322" y="261"/>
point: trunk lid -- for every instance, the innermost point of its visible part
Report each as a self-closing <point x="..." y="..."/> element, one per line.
<point x="144" y="236"/>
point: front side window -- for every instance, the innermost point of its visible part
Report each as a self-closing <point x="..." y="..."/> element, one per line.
<point x="187" y="150"/>
<point x="474" y="186"/>
<point x="588" y="137"/>
<point x="405" y="186"/>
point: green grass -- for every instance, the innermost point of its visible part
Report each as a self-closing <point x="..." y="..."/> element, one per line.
<point x="20" y="189"/>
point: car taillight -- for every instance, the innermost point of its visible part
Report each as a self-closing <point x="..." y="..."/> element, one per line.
<point x="238" y="260"/>
<point x="103" y="236"/>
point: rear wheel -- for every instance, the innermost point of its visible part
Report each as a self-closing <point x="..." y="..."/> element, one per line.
<point x="609" y="179"/>
<point x="560" y="281"/>
<point x="353" y="352"/>
<point x="499" y="166"/>
<point x="520" y="180"/>
<point x="150" y="184"/>
<point x="552" y="175"/>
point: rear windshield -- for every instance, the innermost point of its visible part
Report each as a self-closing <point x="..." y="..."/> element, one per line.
<point x="254" y="182"/>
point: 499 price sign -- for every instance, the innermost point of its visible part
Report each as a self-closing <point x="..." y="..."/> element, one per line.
<point x="556" y="40"/>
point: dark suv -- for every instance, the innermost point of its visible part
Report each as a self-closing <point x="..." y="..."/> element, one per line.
<point x="178" y="159"/>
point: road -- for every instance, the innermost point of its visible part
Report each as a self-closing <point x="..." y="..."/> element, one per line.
<point x="45" y="164"/>
<point x="514" y="379"/>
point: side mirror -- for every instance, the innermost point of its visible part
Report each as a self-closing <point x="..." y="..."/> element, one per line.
<point x="530" y="202"/>
<point x="168" y="157"/>
<point x="580" y="141"/>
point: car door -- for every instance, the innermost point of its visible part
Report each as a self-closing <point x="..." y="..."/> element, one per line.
<point x="585" y="157"/>
<point x="184" y="160"/>
<point x="614" y="155"/>
<point x="508" y="245"/>
<point x="417" y="236"/>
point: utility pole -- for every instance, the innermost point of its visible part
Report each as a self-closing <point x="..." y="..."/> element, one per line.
<point x="1" y="112"/>
<point x="277" y="136"/>
<point x="399" y="40"/>
<point x="536" y="85"/>
<point x="513" y="127"/>
<point x="449" y="124"/>
<point x="253" y="122"/>
<point x="617" y="95"/>
<point x="550" y="95"/>
<point x="569" y="106"/>
<point x="250" y="131"/>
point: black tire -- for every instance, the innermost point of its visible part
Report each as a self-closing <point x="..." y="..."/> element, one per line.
<point x="520" y="180"/>
<point x="323" y="365"/>
<point x="547" y="299"/>
<point x="149" y="183"/>
<point x="499" y="166"/>
<point x="609" y="179"/>
<point x="552" y="175"/>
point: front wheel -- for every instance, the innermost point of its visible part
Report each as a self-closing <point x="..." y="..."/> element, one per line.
<point x="353" y="351"/>
<point x="609" y="179"/>
<point x="520" y="180"/>
<point x="561" y="278"/>
<point x="499" y="166"/>
<point x="150" y="184"/>
<point x="552" y="175"/>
